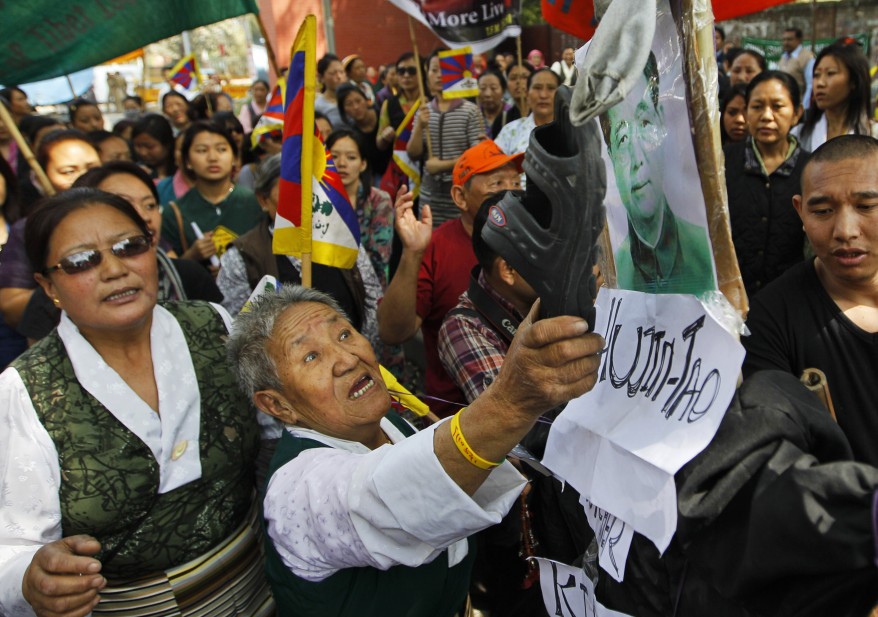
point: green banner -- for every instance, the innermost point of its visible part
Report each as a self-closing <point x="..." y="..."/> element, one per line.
<point x="40" y="39"/>
<point x="772" y="49"/>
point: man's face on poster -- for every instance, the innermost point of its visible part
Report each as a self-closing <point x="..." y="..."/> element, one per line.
<point x="637" y="128"/>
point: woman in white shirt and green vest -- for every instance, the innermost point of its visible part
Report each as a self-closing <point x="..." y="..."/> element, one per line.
<point x="365" y="517"/>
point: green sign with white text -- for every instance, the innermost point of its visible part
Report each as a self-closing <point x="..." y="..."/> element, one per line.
<point x="40" y="39"/>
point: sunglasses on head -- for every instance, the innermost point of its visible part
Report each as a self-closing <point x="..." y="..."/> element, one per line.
<point x="86" y="260"/>
<point x="411" y="71"/>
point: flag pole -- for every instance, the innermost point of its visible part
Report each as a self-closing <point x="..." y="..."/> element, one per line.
<point x="424" y="100"/>
<point x="26" y="151"/>
<point x="70" y="84"/>
<point x="523" y="100"/>
<point x="308" y="137"/>
<point x="813" y="26"/>
<point x="269" y="50"/>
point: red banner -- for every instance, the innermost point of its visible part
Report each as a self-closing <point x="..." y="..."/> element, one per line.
<point x="576" y="17"/>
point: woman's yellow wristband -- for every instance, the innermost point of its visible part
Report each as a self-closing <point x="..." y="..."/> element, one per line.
<point x="463" y="446"/>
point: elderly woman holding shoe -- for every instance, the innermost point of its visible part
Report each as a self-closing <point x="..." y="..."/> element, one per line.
<point x="365" y="516"/>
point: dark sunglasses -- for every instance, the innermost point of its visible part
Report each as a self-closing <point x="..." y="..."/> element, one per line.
<point x="86" y="260"/>
<point x="411" y="71"/>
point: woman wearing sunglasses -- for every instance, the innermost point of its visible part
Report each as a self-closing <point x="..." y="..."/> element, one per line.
<point x="124" y="454"/>
<point x="179" y="279"/>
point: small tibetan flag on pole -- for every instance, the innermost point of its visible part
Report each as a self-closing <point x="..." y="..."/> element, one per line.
<point x="314" y="218"/>
<point x="275" y="106"/>
<point x="185" y="71"/>
<point x="271" y="123"/>
<point x="458" y="80"/>
<point x="400" y="154"/>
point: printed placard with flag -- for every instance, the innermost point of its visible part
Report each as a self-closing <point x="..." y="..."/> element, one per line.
<point x="400" y="156"/>
<point x="314" y="215"/>
<point x="185" y="72"/>
<point x="458" y="80"/>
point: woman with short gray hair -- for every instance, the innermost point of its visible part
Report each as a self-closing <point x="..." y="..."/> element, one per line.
<point x="365" y="516"/>
<point x="249" y="258"/>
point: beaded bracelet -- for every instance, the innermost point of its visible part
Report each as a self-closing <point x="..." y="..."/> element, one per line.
<point x="463" y="446"/>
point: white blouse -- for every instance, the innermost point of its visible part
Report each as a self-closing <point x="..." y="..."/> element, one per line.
<point x="347" y="506"/>
<point x="30" y="510"/>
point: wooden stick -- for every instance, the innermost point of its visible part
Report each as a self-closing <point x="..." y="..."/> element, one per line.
<point x="70" y="83"/>
<point x="310" y="87"/>
<point x="269" y="50"/>
<point x="522" y="102"/>
<point x="306" y="269"/>
<point x="26" y="151"/>
<point x="424" y="100"/>
<point x="700" y="70"/>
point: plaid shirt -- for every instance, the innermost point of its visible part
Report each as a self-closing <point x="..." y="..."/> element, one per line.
<point x="471" y="351"/>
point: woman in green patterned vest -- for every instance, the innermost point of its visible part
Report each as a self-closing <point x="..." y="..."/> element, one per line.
<point x="127" y="453"/>
<point x="365" y="517"/>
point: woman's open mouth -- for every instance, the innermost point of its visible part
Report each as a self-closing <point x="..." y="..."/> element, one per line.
<point x="363" y="385"/>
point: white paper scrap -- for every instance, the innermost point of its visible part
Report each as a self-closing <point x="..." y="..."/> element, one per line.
<point x="667" y="375"/>
<point x="568" y="592"/>
<point x="613" y="537"/>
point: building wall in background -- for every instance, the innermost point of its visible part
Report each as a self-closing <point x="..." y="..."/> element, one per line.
<point x="374" y="29"/>
<point x="830" y="19"/>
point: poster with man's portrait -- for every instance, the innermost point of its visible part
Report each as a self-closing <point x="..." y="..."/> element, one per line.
<point x="655" y="208"/>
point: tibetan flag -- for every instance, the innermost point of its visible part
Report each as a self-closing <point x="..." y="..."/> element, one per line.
<point x="314" y="215"/>
<point x="576" y="17"/>
<point x="267" y="128"/>
<point x="271" y="122"/>
<point x="275" y="106"/>
<point x="458" y="80"/>
<point x="185" y="71"/>
<point x="400" y="156"/>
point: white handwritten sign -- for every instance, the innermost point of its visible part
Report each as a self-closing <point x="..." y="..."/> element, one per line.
<point x="613" y="537"/>
<point x="667" y="375"/>
<point x="568" y="592"/>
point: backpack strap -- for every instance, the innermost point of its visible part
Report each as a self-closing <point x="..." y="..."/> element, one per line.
<point x="179" y="216"/>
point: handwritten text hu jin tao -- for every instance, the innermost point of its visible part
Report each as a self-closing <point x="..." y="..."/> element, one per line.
<point x="663" y="364"/>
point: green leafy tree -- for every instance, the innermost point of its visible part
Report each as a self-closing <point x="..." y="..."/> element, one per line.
<point x="531" y="13"/>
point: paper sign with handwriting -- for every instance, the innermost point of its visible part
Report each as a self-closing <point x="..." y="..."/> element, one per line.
<point x="568" y="592"/>
<point x="667" y="375"/>
<point x="613" y="537"/>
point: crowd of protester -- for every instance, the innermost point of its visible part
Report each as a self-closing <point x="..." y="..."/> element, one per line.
<point x="132" y="445"/>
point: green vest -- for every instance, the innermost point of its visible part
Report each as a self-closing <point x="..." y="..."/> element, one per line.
<point x="109" y="478"/>
<point x="430" y="590"/>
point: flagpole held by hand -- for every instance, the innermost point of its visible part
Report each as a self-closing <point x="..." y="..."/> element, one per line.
<point x="269" y="50"/>
<point x="522" y="102"/>
<point x="26" y="151"/>
<point x="424" y="99"/>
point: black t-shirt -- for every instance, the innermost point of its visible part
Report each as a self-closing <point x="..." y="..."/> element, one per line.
<point x="796" y="325"/>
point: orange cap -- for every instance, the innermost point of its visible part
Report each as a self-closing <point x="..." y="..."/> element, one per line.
<point x="485" y="156"/>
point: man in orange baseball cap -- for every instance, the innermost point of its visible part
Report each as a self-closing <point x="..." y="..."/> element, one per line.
<point x="434" y="268"/>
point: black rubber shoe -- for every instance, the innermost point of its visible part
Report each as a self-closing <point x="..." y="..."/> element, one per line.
<point x="549" y="232"/>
